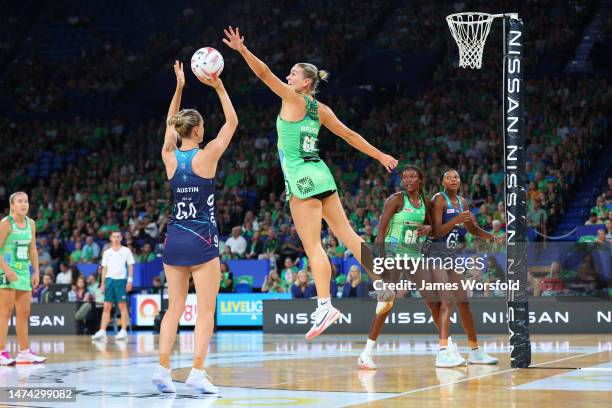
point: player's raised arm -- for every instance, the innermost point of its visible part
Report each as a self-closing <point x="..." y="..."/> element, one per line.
<point x="171" y="137"/>
<point x="218" y="145"/>
<point x="331" y="121"/>
<point x="236" y="42"/>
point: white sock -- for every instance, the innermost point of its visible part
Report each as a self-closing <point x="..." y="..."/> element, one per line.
<point x="450" y="341"/>
<point x="369" y="346"/>
<point x="202" y="372"/>
<point x="324" y="302"/>
<point x="161" y="367"/>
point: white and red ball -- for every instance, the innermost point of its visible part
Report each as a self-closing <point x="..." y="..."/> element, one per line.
<point x="207" y="62"/>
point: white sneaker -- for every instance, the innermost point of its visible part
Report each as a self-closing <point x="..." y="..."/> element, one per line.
<point x="163" y="380"/>
<point x="323" y="318"/>
<point x="5" y="359"/>
<point x="366" y="362"/>
<point x="455" y="350"/>
<point x="100" y="335"/>
<point x="28" y="357"/>
<point x="478" y="356"/>
<point x="122" y="335"/>
<point x="198" y="380"/>
<point x="448" y="358"/>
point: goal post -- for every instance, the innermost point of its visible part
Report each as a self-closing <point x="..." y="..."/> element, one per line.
<point x="470" y="31"/>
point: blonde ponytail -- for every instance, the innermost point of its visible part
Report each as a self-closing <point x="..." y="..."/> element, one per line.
<point x="313" y="73"/>
<point x="185" y="121"/>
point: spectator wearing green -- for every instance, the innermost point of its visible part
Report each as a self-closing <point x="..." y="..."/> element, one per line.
<point x="91" y="250"/>
<point x="146" y="255"/>
<point x="290" y="266"/>
<point x="227" y="279"/>
<point x="537" y="218"/>
<point x="76" y="255"/>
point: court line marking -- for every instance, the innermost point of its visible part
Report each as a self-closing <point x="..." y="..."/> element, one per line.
<point x="431" y="387"/>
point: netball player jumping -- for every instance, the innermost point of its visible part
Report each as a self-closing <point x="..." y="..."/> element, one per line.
<point x="310" y="187"/>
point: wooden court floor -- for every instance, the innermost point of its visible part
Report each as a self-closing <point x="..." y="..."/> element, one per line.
<point x="254" y="369"/>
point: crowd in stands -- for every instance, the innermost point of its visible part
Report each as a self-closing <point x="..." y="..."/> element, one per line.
<point x="601" y="214"/>
<point x="88" y="177"/>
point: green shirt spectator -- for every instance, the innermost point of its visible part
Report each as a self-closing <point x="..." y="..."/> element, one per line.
<point x="77" y="254"/>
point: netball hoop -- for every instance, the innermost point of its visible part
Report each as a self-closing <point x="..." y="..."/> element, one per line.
<point x="470" y="31"/>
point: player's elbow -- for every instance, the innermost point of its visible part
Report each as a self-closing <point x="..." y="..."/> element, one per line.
<point x="232" y="122"/>
<point x="264" y="73"/>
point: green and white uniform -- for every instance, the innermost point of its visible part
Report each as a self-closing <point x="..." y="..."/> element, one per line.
<point x="402" y="235"/>
<point x="305" y="173"/>
<point x="16" y="253"/>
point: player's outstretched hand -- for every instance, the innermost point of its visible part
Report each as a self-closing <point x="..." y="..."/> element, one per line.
<point x="214" y="82"/>
<point x="180" y="75"/>
<point x="389" y="162"/>
<point x="233" y="40"/>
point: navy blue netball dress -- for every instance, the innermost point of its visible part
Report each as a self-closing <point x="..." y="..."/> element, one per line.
<point x="449" y="243"/>
<point x="192" y="236"/>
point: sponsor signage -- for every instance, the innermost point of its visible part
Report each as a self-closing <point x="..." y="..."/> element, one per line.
<point x="146" y="307"/>
<point x="546" y="316"/>
<point x="49" y="318"/>
<point x="243" y="309"/>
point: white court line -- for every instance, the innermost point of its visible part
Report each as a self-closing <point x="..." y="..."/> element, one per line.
<point x="432" y="387"/>
<point x="595" y="369"/>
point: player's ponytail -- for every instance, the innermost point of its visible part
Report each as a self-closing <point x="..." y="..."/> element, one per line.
<point x="185" y="121"/>
<point x="313" y="73"/>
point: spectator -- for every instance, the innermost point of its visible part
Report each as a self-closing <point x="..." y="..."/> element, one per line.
<point x="227" y="279"/>
<point x="57" y="253"/>
<point x="271" y="247"/>
<point x="302" y="289"/>
<point x="146" y="255"/>
<point x="600" y="209"/>
<point x="236" y="243"/>
<point x="587" y="275"/>
<point x="497" y="232"/>
<point x="91" y="250"/>
<point x="288" y="280"/>
<point x="334" y="249"/>
<point x="272" y="283"/>
<point x="553" y="284"/>
<point x="83" y="299"/>
<point x="537" y="218"/>
<point x="255" y="247"/>
<point x="43" y="290"/>
<point x="64" y="277"/>
<point x="157" y="285"/>
<point x="292" y="246"/>
<point x="290" y="266"/>
<point x="150" y="228"/>
<point x="227" y="255"/>
<point x="77" y="254"/>
<point x="593" y="220"/>
<point x="354" y="286"/>
<point x="609" y="231"/>
<point x="601" y="238"/>
<point x="44" y="258"/>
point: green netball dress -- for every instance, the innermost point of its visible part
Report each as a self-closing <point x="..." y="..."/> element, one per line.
<point x="305" y="174"/>
<point x="403" y="228"/>
<point x="16" y="253"/>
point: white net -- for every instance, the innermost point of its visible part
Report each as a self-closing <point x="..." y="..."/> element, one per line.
<point x="470" y="31"/>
